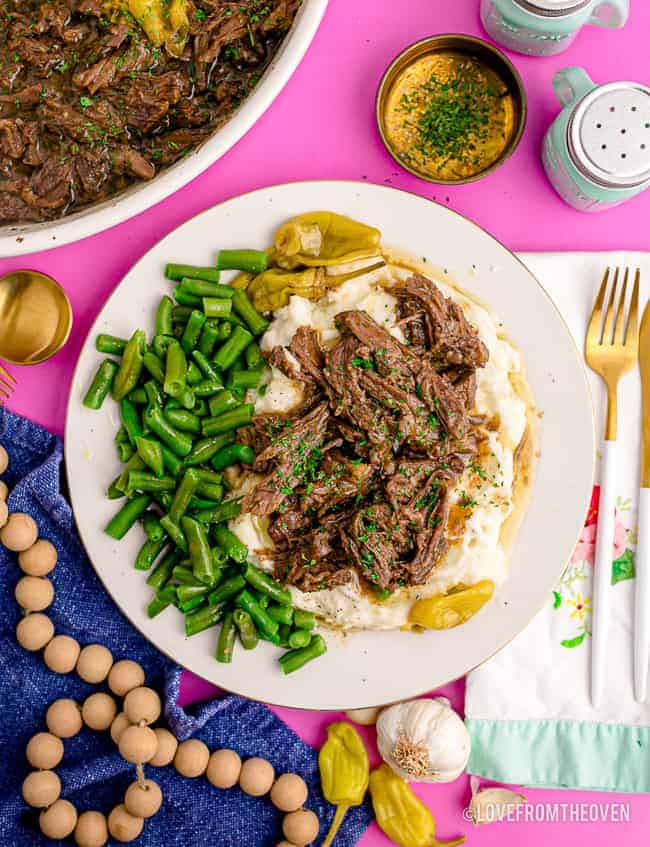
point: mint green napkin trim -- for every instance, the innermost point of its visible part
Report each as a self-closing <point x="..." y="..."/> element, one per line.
<point x="561" y="754"/>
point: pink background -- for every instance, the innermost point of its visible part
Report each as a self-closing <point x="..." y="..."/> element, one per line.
<point x="322" y="126"/>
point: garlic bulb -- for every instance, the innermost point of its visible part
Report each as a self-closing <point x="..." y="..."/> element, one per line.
<point x="364" y="717"/>
<point x="489" y="805"/>
<point x="423" y="740"/>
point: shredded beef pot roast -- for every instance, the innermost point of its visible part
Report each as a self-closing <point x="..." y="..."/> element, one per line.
<point x="358" y="477"/>
<point x="88" y="105"/>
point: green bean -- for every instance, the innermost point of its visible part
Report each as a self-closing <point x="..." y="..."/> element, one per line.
<point x="208" y="387"/>
<point x="199" y="503"/>
<point x="209" y="476"/>
<point x="234" y="319"/>
<point x="216" y="308"/>
<point x="137" y="396"/>
<point x="204" y="450"/>
<point x="122" y="435"/>
<point x="223" y="512"/>
<point x="131" y="420"/>
<point x="122" y="522"/>
<point x="148" y="554"/>
<point x="231" y="455"/>
<point x="208" y="340"/>
<point x="296" y="659"/>
<point x="235" y="418"/>
<point x="226" y="640"/>
<point x="150" y="452"/>
<point x="185" y="575"/>
<point x="177" y="272"/>
<point x="172" y="462"/>
<point x="224" y="331"/>
<point x="163" y="598"/>
<point x="194" y="375"/>
<point x="284" y="633"/>
<point x="163" y="571"/>
<point x="281" y="614"/>
<point x="154" y="393"/>
<point x="113" y="492"/>
<point x="299" y="638"/>
<point x="227" y="589"/>
<point x="135" y="463"/>
<point x="155" y="367"/>
<point x="253" y="355"/>
<point x="143" y="481"/>
<point x="265" y="625"/>
<point x="238" y="365"/>
<point x="174" y="531"/>
<point x="246" y="379"/>
<point x="160" y="344"/>
<point x="251" y="261"/>
<point x="125" y="450"/>
<point x="231" y="545"/>
<point x="219" y="558"/>
<point x="246" y="628"/>
<point x="206" y="367"/>
<point x="199" y="601"/>
<point x="263" y="599"/>
<point x="177" y="441"/>
<point x="206" y="617"/>
<point x="201" y="407"/>
<point x="204" y="288"/>
<point x="230" y="349"/>
<point x="110" y="344"/>
<point x="130" y="368"/>
<point x="188" y="591"/>
<point x="192" y="331"/>
<point x="152" y="526"/>
<point x="185" y="299"/>
<point x="200" y="553"/>
<point x="222" y="402"/>
<point x="210" y="491"/>
<point x="175" y="370"/>
<point x="181" y="314"/>
<point x="164" y="324"/>
<point x="257" y="578"/>
<point x="303" y="620"/>
<point x="187" y="399"/>
<point x="101" y="384"/>
<point x="245" y="309"/>
<point x="183" y="420"/>
<point x="184" y="492"/>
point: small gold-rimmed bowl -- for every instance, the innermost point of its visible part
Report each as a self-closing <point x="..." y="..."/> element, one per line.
<point x="399" y="107"/>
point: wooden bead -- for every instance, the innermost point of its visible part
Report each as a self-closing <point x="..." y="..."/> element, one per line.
<point x="44" y="751"/>
<point x="143" y="802"/>
<point x="61" y="654"/>
<point x="289" y="792"/>
<point x="4" y="512"/>
<point x="4" y="459"/>
<point x="63" y="718"/>
<point x="138" y="744"/>
<point x="94" y="663"/>
<point x="256" y="777"/>
<point x="301" y="827"/>
<point x="34" y="593"/>
<point x="34" y="631"/>
<point x="4" y="490"/>
<point x="167" y="745"/>
<point x="142" y="704"/>
<point x="39" y="559"/>
<point x="59" y="820"/>
<point x="98" y="711"/>
<point x="191" y="758"/>
<point x="118" y="726"/>
<point x="124" y="676"/>
<point x="123" y="826"/>
<point x="19" y="533"/>
<point x="41" y="788"/>
<point x="91" y="830"/>
<point x="224" y="768"/>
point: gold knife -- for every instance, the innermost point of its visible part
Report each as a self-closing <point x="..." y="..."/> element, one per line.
<point x="642" y="590"/>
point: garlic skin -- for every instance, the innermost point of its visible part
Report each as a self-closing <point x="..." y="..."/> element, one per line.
<point x="423" y="740"/>
<point x="491" y="805"/>
<point x="363" y="717"/>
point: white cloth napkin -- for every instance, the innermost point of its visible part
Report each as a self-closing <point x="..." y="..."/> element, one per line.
<point x="528" y="709"/>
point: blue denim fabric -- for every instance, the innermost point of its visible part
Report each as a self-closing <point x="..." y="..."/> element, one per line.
<point x="93" y="774"/>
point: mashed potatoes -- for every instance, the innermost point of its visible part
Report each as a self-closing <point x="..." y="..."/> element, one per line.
<point x="483" y="498"/>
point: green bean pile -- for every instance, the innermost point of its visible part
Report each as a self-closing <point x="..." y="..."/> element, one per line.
<point x="181" y="399"/>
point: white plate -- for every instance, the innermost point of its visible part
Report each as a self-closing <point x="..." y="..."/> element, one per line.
<point x="367" y="668"/>
<point x="20" y="239"/>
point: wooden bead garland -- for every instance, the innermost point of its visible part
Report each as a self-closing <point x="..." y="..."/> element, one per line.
<point x="130" y="729"/>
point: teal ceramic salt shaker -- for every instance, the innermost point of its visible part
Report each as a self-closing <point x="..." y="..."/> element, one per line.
<point x="547" y="27"/>
<point x="596" y="153"/>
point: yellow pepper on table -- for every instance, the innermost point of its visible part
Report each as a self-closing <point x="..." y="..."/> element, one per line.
<point x="401" y="814"/>
<point x="319" y="239"/>
<point x="344" y="772"/>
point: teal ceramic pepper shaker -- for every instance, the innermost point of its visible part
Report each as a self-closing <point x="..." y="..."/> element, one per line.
<point x="547" y="27"/>
<point x="596" y="153"/>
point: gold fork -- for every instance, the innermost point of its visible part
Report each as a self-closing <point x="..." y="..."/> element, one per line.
<point x="7" y="384"/>
<point x="611" y="350"/>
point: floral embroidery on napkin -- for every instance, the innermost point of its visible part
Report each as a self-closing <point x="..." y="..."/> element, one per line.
<point x="572" y="593"/>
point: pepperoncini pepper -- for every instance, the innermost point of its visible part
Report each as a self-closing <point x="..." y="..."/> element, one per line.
<point x="344" y="772"/>
<point x="400" y="814"/>
<point x="454" y="607"/>
<point x="323" y="238"/>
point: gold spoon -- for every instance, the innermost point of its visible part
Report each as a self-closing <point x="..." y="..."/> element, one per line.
<point x="35" y="317"/>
